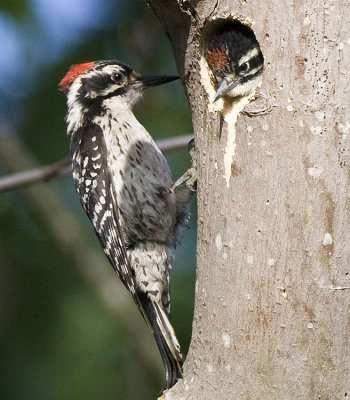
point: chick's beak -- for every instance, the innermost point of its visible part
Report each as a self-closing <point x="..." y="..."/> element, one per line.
<point x="141" y="81"/>
<point x="225" y="86"/>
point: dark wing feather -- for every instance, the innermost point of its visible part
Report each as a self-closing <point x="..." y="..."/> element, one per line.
<point x="94" y="185"/>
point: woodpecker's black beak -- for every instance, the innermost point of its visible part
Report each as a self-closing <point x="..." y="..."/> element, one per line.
<point x="225" y="86"/>
<point x="146" y="81"/>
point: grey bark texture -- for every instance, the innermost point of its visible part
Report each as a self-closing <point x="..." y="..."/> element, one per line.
<point x="272" y="311"/>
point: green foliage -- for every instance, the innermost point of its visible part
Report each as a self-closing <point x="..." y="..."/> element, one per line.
<point x="16" y="8"/>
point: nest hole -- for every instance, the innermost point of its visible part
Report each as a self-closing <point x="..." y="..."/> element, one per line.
<point x="233" y="56"/>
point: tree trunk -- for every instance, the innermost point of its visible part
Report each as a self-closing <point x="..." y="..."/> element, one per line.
<point x="272" y="315"/>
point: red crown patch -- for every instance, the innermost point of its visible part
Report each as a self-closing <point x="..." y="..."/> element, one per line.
<point x="74" y="71"/>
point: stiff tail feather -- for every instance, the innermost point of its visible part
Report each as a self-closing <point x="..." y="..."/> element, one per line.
<point x="166" y="340"/>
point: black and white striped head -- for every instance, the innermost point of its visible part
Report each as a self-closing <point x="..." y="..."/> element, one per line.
<point x="235" y="59"/>
<point x="93" y="82"/>
<point x="94" y="87"/>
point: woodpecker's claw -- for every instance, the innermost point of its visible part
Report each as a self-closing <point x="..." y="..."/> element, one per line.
<point x="190" y="176"/>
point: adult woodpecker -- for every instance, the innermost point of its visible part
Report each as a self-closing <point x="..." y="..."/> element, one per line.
<point x="234" y="57"/>
<point x="125" y="186"/>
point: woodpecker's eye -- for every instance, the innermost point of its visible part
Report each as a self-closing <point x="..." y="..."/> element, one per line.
<point x="116" y="76"/>
<point x="243" y="68"/>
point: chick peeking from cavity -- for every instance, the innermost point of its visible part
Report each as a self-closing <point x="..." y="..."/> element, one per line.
<point x="234" y="57"/>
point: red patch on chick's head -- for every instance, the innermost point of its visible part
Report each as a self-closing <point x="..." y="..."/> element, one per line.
<point x="217" y="59"/>
<point x="73" y="73"/>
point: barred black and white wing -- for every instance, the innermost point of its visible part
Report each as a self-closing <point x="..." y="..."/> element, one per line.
<point x="95" y="188"/>
<point x="97" y="194"/>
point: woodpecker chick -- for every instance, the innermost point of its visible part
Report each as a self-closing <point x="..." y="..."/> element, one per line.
<point x="125" y="186"/>
<point x="235" y="59"/>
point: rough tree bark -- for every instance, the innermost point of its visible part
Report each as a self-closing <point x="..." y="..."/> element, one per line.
<point x="272" y="311"/>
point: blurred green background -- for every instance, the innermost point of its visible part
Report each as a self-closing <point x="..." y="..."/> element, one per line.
<point x="68" y="329"/>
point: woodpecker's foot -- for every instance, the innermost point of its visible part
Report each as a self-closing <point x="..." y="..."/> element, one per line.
<point x="189" y="178"/>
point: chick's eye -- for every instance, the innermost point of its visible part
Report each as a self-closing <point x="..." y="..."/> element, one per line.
<point x="116" y="76"/>
<point x="243" y="68"/>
